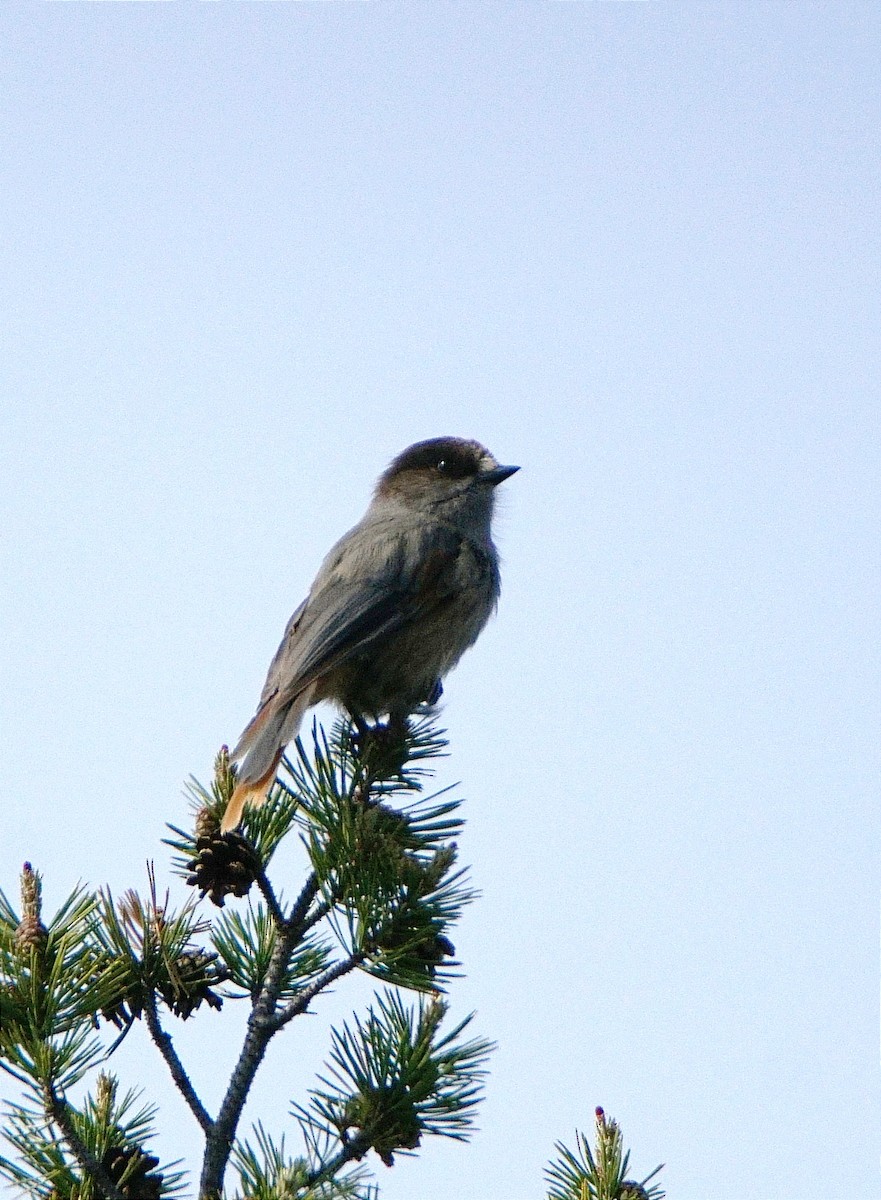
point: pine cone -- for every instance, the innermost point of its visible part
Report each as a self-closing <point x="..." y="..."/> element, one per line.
<point x="387" y="1120"/>
<point x="408" y="943"/>
<point x="225" y="864"/>
<point x="140" y="1184"/>
<point x="190" y="983"/>
<point x="435" y="950"/>
<point x="123" y="1009"/>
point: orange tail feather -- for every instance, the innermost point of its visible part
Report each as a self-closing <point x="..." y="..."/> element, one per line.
<point x="252" y="792"/>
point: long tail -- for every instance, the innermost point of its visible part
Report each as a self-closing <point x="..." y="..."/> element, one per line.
<point x="261" y="747"/>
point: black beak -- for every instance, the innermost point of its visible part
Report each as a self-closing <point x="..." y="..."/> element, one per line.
<point x="496" y="475"/>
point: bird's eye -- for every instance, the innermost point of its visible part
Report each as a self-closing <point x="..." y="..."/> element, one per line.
<point x="443" y="466"/>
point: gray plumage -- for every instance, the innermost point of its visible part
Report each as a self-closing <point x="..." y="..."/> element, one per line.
<point x="395" y="604"/>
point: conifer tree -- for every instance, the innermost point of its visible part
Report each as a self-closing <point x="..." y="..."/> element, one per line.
<point x="382" y="893"/>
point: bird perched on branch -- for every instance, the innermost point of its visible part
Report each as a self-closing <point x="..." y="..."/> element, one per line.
<point x="396" y="603"/>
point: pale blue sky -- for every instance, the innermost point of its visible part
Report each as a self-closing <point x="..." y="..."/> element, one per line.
<point x="251" y="252"/>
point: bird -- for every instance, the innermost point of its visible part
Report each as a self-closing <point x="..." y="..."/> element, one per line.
<point x="395" y="604"/>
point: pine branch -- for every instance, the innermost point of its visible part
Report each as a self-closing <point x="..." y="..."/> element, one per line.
<point x="338" y="802"/>
<point x="58" y="1110"/>
<point x="598" y="1174"/>
<point x="302" y="1002"/>
<point x="261" y="1028"/>
<point x="266" y="1172"/>
<point x="178" y="1074"/>
<point x="394" y="1077"/>
<point x="383" y="876"/>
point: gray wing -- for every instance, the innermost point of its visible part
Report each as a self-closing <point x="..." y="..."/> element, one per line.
<point x="270" y="687"/>
<point x="365" y="590"/>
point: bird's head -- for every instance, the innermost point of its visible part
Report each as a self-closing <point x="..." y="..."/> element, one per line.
<point x="451" y="477"/>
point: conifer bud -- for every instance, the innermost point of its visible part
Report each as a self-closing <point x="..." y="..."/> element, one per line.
<point x="136" y="1168"/>
<point x="105" y="1094"/>
<point x="225" y="776"/>
<point x="31" y="933"/>
<point x="207" y="823"/>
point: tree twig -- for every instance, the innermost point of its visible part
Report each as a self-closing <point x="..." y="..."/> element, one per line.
<point x="178" y="1074"/>
<point x="318" y="913"/>
<point x="271" y="900"/>
<point x="297" y="918"/>
<point x="354" y="1148"/>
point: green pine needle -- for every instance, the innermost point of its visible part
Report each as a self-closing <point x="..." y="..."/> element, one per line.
<point x="393" y="1077"/>
<point x="598" y="1174"/>
<point x="266" y="1172"/>
<point x="246" y="943"/>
